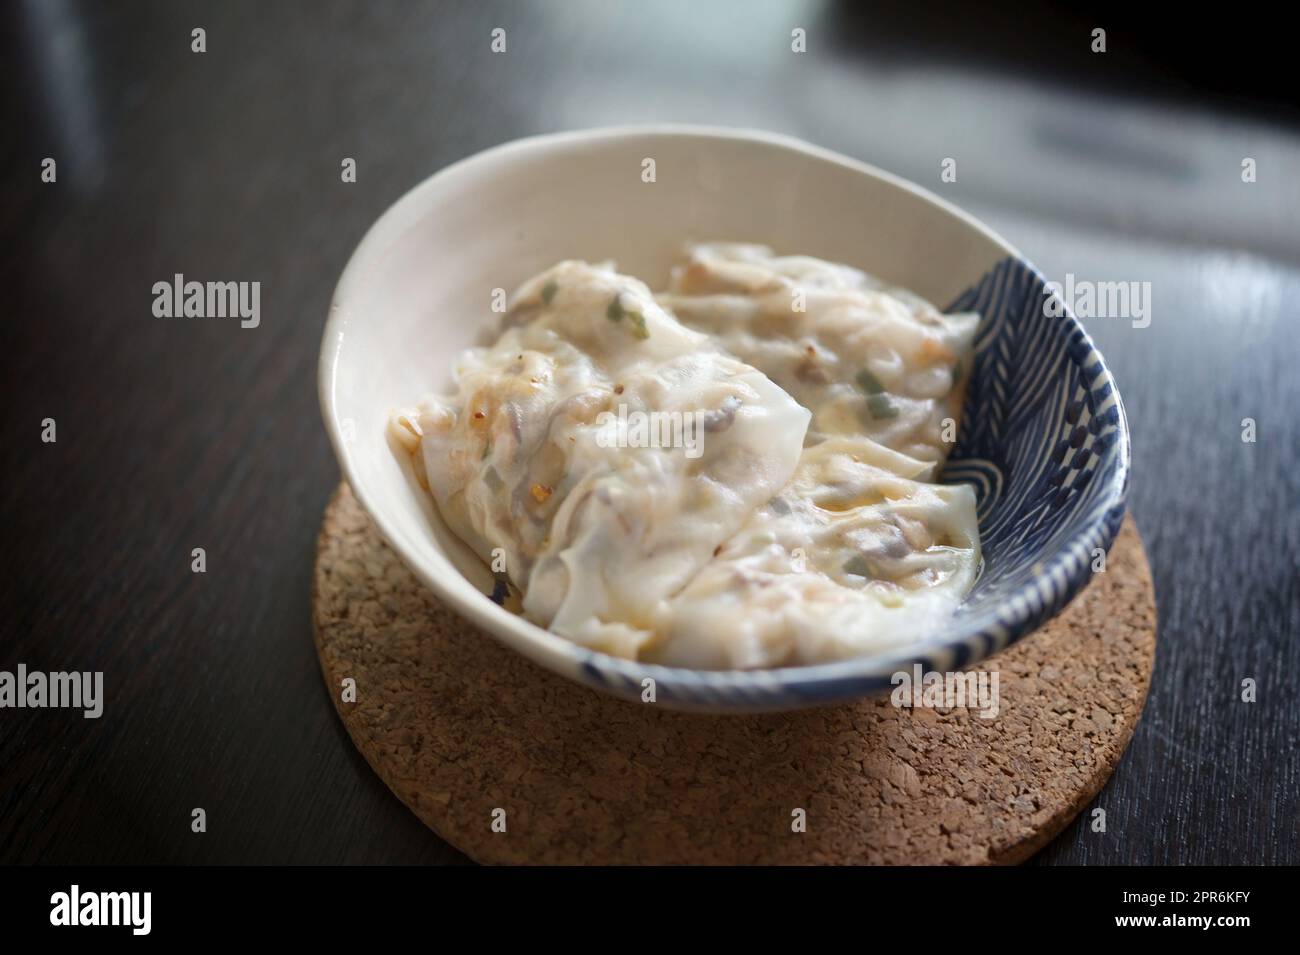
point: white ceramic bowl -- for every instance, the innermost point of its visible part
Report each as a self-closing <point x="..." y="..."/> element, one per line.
<point x="419" y="289"/>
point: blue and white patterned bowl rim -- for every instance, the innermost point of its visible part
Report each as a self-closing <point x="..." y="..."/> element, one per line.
<point x="1044" y="441"/>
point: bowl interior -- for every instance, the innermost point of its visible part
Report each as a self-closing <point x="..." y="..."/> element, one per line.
<point x="420" y="288"/>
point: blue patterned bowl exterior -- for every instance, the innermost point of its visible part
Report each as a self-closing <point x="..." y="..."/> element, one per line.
<point x="1045" y="444"/>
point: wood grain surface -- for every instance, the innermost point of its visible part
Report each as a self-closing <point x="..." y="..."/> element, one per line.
<point x="225" y="165"/>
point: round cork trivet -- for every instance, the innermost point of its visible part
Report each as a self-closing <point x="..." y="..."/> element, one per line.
<point x="467" y="732"/>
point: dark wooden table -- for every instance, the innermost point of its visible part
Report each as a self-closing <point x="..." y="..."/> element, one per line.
<point x="225" y="165"/>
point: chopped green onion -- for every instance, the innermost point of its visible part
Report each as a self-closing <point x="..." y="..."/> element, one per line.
<point x="638" y="325"/>
<point x="616" y="313"/>
<point x="869" y="383"/>
<point x="881" y="407"/>
<point x="548" y="291"/>
<point x="857" y="566"/>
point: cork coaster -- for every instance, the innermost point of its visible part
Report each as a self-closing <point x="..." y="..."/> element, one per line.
<point x="460" y="726"/>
